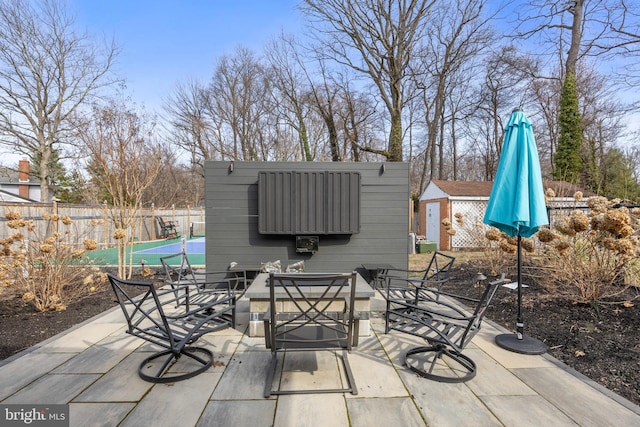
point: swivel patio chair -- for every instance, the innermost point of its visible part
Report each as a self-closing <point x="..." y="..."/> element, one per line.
<point x="152" y="316"/>
<point x="398" y="281"/>
<point x="314" y="312"/>
<point x="198" y="288"/>
<point x="446" y="328"/>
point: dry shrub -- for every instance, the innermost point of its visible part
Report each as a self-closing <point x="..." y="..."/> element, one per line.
<point x="498" y="249"/>
<point x="49" y="271"/>
<point x="589" y="256"/>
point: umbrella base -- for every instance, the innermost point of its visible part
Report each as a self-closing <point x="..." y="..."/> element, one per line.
<point x="526" y="345"/>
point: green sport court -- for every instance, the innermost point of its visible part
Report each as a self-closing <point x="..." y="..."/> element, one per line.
<point x="150" y="253"/>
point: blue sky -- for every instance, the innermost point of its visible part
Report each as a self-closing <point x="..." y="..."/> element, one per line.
<point x="169" y="41"/>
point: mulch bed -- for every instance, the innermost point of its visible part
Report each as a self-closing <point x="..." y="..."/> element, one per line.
<point x="605" y="349"/>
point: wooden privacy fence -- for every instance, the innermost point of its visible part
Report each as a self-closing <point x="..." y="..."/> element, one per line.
<point x="92" y="221"/>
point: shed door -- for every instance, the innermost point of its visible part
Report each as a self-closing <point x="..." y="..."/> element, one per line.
<point x="433" y="223"/>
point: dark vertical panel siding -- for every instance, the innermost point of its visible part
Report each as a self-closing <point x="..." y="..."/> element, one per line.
<point x="343" y="202"/>
<point x="274" y="198"/>
<point x="308" y="202"/>
<point x="310" y="196"/>
<point x="232" y="217"/>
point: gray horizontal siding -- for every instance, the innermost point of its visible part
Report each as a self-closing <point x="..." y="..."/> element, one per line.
<point x="232" y="218"/>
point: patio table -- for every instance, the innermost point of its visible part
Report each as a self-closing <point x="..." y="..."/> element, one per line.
<point x="258" y="295"/>
<point x="376" y="270"/>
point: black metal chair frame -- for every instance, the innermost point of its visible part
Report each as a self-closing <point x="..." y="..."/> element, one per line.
<point x="398" y="281"/>
<point x="445" y="326"/>
<point x="196" y="289"/>
<point x="152" y="316"/>
<point x="324" y="320"/>
<point x="168" y="229"/>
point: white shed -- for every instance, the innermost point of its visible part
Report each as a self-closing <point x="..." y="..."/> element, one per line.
<point x="444" y="199"/>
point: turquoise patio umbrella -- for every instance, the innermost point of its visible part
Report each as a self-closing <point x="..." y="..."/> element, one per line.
<point x="517" y="207"/>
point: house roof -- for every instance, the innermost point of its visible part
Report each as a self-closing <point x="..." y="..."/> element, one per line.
<point x="6" y="196"/>
<point x="483" y="188"/>
<point x="10" y="176"/>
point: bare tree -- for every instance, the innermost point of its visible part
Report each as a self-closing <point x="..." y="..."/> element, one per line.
<point x="601" y="120"/>
<point x="289" y="74"/>
<point x="376" y="38"/>
<point x="192" y="128"/>
<point x="581" y="28"/>
<point x="502" y="89"/>
<point x="177" y="183"/>
<point x="124" y="162"/>
<point x="240" y="95"/>
<point x="47" y="71"/>
<point x="457" y="35"/>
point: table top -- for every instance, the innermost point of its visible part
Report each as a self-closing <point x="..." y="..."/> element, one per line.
<point x="246" y="267"/>
<point x="377" y="266"/>
<point x="259" y="289"/>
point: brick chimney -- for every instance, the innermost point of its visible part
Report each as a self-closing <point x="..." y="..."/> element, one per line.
<point x="23" y="176"/>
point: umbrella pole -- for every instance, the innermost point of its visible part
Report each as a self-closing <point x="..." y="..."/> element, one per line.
<point x="518" y="342"/>
<point x="519" y="319"/>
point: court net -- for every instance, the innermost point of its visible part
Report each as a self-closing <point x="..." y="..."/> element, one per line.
<point x="196" y="229"/>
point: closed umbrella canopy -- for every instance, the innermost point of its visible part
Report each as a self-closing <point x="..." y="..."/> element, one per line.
<point x="517" y="205"/>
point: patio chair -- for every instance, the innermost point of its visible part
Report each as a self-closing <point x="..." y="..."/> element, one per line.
<point x="397" y="281"/>
<point x="168" y="229"/>
<point x="317" y="314"/>
<point x="152" y="316"/>
<point x="446" y="328"/>
<point x="194" y="288"/>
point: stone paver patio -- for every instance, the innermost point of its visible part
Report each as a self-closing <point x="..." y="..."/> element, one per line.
<point x="93" y="368"/>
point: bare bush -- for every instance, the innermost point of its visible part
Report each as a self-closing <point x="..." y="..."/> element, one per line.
<point x="49" y="271"/>
<point x="587" y="255"/>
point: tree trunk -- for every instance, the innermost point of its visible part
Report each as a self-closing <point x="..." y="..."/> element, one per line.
<point x="576" y="37"/>
<point x="395" y="137"/>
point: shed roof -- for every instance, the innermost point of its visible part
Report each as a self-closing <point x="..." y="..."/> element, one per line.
<point x="465" y="188"/>
<point x="483" y="188"/>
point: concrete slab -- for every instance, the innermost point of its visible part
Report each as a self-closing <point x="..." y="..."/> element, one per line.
<point x="244" y="377"/>
<point x="101" y="357"/>
<point x="223" y="347"/>
<point x="53" y="389"/>
<point x="494" y="379"/>
<point x="444" y="404"/>
<point x="398" y="411"/>
<point x="375" y="375"/>
<point x="485" y="340"/>
<point x="80" y="339"/>
<point x="310" y="370"/>
<point x="311" y="410"/>
<point x="526" y="411"/>
<point x="106" y="414"/>
<point x="584" y="404"/>
<point x="174" y="404"/>
<point x="120" y="384"/>
<point x="254" y="413"/>
<point x="28" y="368"/>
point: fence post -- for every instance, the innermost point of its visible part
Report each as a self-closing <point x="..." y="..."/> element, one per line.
<point x="54" y="209"/>
<point x="189" y="225"/>
<point x="153" y="221"/>
<point x="173" y="216"/>
<point x="105" y="225"/>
